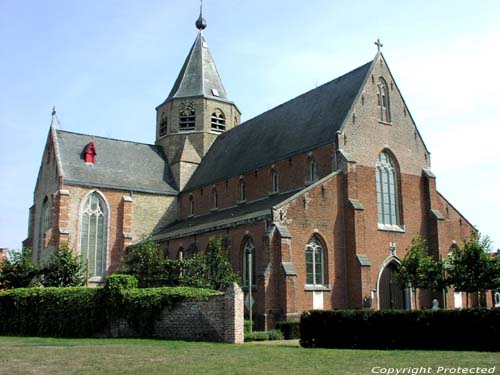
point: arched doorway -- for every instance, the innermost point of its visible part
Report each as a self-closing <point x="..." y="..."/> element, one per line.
<point x="391" y="295"/>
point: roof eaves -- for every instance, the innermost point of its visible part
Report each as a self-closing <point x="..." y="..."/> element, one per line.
<point x="120" y="187"/>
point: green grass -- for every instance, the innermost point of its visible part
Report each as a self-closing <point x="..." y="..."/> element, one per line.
<point x="31" y="355"/>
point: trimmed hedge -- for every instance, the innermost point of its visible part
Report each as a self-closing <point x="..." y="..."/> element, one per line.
<point x="66" y="312"/>
<point x="84" y="312"/>
<point x="290" y="329"/>
<point x="475" y="329"/>
<point x="271" y="335"/>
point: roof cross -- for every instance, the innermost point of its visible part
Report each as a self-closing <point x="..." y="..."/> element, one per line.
<point x="379" y="44"/>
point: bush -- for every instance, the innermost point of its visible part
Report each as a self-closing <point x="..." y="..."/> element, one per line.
<point x="60" y="312"/>
<point x="18" y="270"/>
<point x="290" y="329"/>
<point x="476" y="329"/>
<point x="64" y="268"/>
<point x="83" y="312"/>
<point x="247" y="326"/>
<point x="264" y="336"/>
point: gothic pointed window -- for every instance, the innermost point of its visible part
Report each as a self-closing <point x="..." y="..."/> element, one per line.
<point x="163" y="124"/>
<point x="249" y="263"/>
<point x="191" y="205"/>
<point x="218" y="120"/>
<point x="314" y="262"/>
<point x="387" y="190"/>
<point x="275" y="180"/>
<point x="44" y="225"/>
<point x="243" y="193"/>
<point x="313" y="171"/>
<point x="187" y="116"/>
<point x="215" y="199"/>
<point x="94" y="234"/>
<point x="383" y="101"/>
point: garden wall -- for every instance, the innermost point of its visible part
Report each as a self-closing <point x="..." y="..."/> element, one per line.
<point x="220" y="318"/>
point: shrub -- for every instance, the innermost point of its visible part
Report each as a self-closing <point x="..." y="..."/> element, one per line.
<point x="264" y="336"/>
<point x="474" y="329"/>
<point x="247" y="326"/>
<point x="64" y="268"/>
<point x="67" y="312"/>
<point x="290" y="329"/>
<point x="18" y="270"/>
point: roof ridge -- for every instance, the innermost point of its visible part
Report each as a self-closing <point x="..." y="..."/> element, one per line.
<point x="108" y="138"/>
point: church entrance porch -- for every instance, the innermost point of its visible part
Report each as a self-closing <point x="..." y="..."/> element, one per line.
<point x="391" y="294"/>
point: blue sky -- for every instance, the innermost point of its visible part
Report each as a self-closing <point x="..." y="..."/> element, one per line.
<point x="107" y="64"/>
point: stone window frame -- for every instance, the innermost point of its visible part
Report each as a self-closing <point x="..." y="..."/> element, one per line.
<point x="315" y="247"/>
<point x="248" y="244"/>
<point x="218" y="121"/>
<point x="275" y="180"/>
<point x="383" y="101"/>
<point x="187" y="116"/>
<point x="388" y="192"/>
<point x="312" y="170"/>
<point x="102" y="211"/>
<point x="242" y="190"/>
<point x="163" y="125"/>
<point x="214" y="199"/>
<point x="191" y="205"/>
<point x="44" y="225"/>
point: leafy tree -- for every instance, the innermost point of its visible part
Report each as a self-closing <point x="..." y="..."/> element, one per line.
<point x="150" y="266"/>
<point x="64" y="268"/>
<point x="471" y="268"/>
<point x="419" y="270"/>
<point x="17" y="270"/>
<point x="211" y="270"/>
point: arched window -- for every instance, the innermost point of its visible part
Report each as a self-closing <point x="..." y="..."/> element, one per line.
<point x="314" y="262"/>
<point x="218" y="120"/>
<point x="163" y="124"/>
<point x="275" y="178"/>
<point x="187" y="116"/>
<point x="383" y="101"/>
<point x="215" y="199"/>
<point x="387" y="190"/>
<point x="191" y="205"/>
<point x="94" y="233"/>
<point x="249" y="262"/>
<point x="243" y="193"/>
<point x="44" y="225"/>
<point x="313" y="171"/>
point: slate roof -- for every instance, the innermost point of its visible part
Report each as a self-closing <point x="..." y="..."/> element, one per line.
<point x="299" y="125"/>
<point x="198" y="76"/>
<point x="222" y="218"/>
<point x="118" y="164"/>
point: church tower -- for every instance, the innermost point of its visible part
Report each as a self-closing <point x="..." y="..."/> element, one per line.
<point x="195" y="112"/>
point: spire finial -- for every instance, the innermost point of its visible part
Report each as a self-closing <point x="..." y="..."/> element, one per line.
<point x="379" y="45"/>
<point x="54" y="118"/>
<point x="201" y="24"/>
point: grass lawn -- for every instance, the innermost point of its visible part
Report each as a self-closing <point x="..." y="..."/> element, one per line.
<point x="33" y="355"/>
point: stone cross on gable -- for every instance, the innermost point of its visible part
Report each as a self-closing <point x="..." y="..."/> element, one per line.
<point x="379" y="44"/>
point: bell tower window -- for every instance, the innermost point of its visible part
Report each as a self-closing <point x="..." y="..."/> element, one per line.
<point x="187" y="116"/>
<point x="163" y="124"/>
<point x="218" y="121"/>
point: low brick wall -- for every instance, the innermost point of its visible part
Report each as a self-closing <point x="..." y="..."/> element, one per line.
<point x="220" y="318"/>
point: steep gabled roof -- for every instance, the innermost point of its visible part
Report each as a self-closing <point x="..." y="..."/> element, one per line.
<point x="302" y="124"/>
<point x="199" y="76"/>
<point x="118" y="164"/>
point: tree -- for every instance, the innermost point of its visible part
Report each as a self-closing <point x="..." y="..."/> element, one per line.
<point x="210" y="270"/>
<point x="64" y="268"/>
<point x="420" y="271"/>
<point x="17" y="270"/>
<point x="150" y="266"/>
<point x="471" y="268"/>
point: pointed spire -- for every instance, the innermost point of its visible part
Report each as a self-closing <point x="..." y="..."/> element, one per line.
<point x="201" y="24"/>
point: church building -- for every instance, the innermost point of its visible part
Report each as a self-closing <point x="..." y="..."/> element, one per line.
<point x="316" y="200"/>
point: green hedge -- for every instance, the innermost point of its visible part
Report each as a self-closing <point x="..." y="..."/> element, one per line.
<point x="264" y="335"/>
<point x="68" y="312"/>
<point x="290" y="329"/>
<point x="476" y="329"/>
<point x="84" y="312"/>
